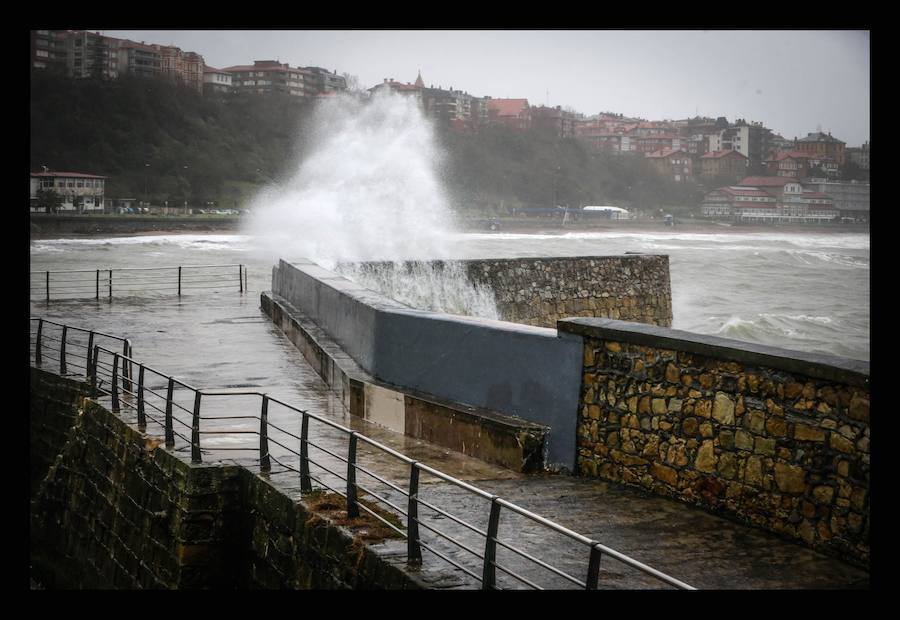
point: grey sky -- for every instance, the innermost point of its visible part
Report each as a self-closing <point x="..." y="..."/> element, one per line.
<point x="793" y="81"/>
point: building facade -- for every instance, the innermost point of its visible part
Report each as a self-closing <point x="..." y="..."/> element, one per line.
<point x="822" y="145"/>
<point x="674" y="164"/>
<point x="513" y="113"/>
<point x="271" y="76"/>
<point x="80" y="192"/>
<point x="730" y="163"/>
<point x="850" y="198"/>
<point x="216" y="80"/>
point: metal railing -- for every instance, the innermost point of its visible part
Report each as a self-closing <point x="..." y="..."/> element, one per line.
<point x="159" y="393"/>
<point x="75" y="348"/>
<point x="128" y="281"/>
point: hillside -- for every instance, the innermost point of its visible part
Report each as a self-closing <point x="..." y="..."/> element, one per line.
<point x="159" y="141"/>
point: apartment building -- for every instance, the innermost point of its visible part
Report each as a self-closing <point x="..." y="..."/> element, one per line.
<point x="557" y="121"/>
<point x="822" y="145"/>
<point x="187" y="67"/>
<point x="723" y="162"/>
<point x="674" y="164"/>
<point x="216" y="80"/>
<point x="268" y="76"/>
<point x="49" y="50"/>
<point x="514" y="113"/>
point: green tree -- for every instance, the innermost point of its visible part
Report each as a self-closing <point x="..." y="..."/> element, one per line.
<point x="50" y="200"/>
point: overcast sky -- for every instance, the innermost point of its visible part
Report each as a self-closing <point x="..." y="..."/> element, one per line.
<point x="794" y="82"/>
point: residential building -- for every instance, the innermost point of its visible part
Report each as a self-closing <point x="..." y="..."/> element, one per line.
<point x="324" y="81"/>
<point x="728" y="163"/>
<point x="793" y="164"/>
<point x="850" y="198"/>
<point x="749" y="139"/>
<point x="72" y="186"/>
<point x="557" y="121"/>
<point x="90" y="54"/>
<point x="399" y="88"/>
<point x="650" y="143"/>
<point x="216" y="80"/>
<point x="271" y="76"/>
<point x="49" y="50"/>
<point x="139" y="59"/>
<point x="186" y="67"/>
<point x="453" y="107"/>
<point x="822" y="145"/>
<point x="675" y="164"/>
<point x="514" y="113"/>
<point x="859" y="155"/>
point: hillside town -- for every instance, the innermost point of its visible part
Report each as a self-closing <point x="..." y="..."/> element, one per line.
<point x="747" y="172"/>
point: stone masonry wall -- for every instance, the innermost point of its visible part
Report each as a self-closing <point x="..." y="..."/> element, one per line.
<point x="115" y="510"/>
<point x="540" y="291"/>
<point x="786" y="450"/>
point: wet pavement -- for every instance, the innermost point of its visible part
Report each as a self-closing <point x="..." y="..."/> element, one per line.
<point x="223" y="340"/>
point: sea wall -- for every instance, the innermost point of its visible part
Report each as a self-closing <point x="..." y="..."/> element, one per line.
<point x="776" y="438"/>
<point x="116" y="510"/>
<point x="540" y="291"/>
<point x="517" y="370"/>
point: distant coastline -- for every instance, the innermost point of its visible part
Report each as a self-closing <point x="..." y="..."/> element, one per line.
<point x="52" y="226"/>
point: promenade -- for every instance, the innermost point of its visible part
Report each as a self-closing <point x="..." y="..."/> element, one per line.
<point x="224" y="341"/>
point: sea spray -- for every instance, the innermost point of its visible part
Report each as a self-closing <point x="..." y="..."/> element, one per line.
<point x="369" y="190"/>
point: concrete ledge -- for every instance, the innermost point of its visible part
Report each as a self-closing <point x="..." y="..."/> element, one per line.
<point x="814" y="365"/>
<point x="475" y="431"/>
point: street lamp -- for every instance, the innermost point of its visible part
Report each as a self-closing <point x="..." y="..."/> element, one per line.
<point x="146" y="178"/>
<point x="185" y="167"/>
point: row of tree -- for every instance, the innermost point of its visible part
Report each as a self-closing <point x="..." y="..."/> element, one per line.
<point x="159" y="141"/>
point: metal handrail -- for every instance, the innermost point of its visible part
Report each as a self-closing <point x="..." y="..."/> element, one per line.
<point x="349" y="487"/>
<point x="175" y="278"/>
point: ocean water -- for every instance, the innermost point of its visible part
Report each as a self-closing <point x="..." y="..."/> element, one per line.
<point x="801" y="291"/>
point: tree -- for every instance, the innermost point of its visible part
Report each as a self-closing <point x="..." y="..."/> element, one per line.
<point x="49" y="200"/>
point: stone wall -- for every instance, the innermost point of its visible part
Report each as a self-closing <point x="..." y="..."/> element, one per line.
<point x="540" y="291"/>
<point x="115" y="510"/>
<point x="776" y="438"/>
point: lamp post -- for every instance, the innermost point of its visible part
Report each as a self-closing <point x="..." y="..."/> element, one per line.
<point x="146" y="178"/>
<point x="185" y="167"/>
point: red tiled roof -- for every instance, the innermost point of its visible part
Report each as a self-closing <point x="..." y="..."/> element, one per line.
<point x="768" y="181"/>
<point x="67" y="174"/>
<point x="718" y="154"/>
<point x="507" y="107"/>
<point x="792" y="154"/>
<point x="663" y="153"/>
<point x="746" y="191"/>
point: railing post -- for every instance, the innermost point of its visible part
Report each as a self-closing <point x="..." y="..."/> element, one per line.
<point x="169" y="432"/>
<point x="110" y="285"/>
<point x="241" y="277"/>
<point x="489" y="573"/>
<point x="62" y="352"/>
<point x="127" y="385"/>
<point x="38" y="345"/>
<point x="98" y="285"/>
<point x="142" y="418"/>
<point x="265" y="465"/>
<point x="94" y="368"/>
<point x="90" y="347"/>
<point x="593" y="576"/>
<point x="48" y="286"/>
<point x="413" y="549"/>
<point x="305" y="483"/>
<point x="115" y="382"/>
<point x="352" y="507"/>
<point x="179" y="281"/>
<point x="195" y="430"/>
